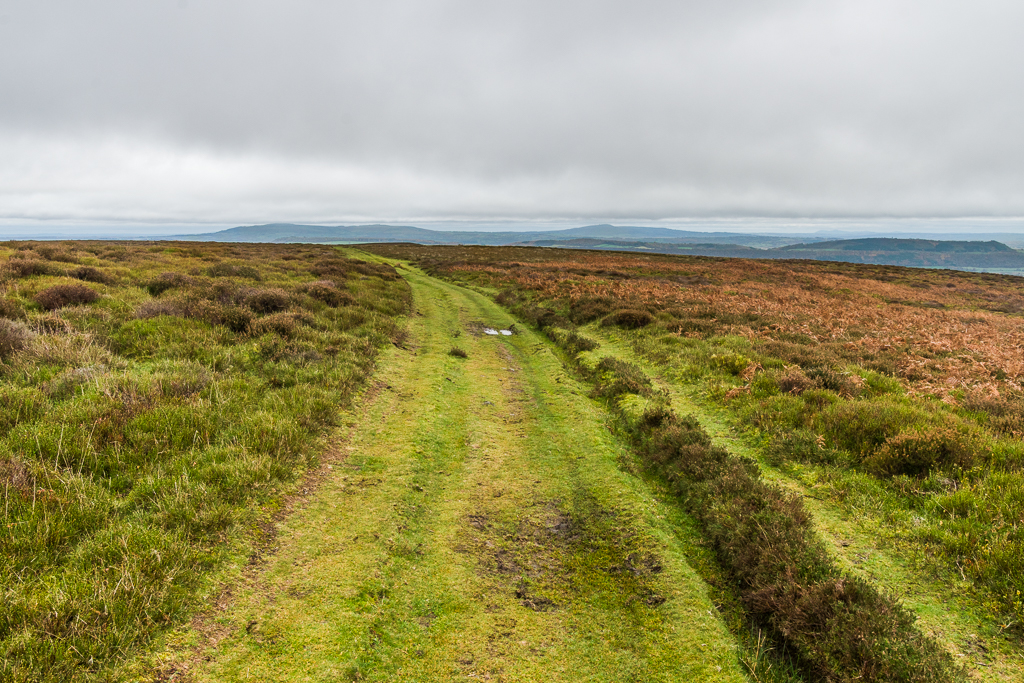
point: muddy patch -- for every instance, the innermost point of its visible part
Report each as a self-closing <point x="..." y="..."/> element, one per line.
<point x="551" y="556"/>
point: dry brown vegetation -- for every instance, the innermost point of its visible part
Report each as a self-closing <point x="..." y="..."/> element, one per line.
<point x="936" y="330"/>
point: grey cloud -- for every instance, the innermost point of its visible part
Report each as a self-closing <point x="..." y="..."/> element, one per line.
<point x="315" y="110"/>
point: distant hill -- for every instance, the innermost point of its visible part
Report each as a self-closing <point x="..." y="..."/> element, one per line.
<point x="926" y="253"/>
<point x="877" y="250"/>
<point x="354" y="234"/>
<point x="908" y="252"/>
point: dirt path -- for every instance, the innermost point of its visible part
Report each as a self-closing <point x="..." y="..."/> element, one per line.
<point x="481" y="529"/>
<point x="949" y="613"/>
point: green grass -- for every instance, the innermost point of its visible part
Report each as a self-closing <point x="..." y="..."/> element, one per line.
<point x="149" y="426"/>
<point x="836" y="625"/>
<point x="482" y="526"/>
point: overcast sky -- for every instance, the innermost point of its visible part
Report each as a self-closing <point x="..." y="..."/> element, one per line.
<point x="250" y="111"/>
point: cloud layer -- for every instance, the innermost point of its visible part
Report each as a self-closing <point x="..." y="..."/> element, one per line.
<point x="249" y="111"/>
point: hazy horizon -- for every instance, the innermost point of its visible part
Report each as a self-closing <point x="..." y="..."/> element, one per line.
<point x="958" y="227"/>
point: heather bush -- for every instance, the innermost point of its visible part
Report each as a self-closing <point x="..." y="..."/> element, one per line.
<point x="60" y="296"/>
<point x="25" y="267"/>
<point x="589" y="308"/>
<point x="165" y="281"/>
<point x="14" y="336"/>
<point x="615" y="377"/>
<point x="326" y="291"/>
<point x="265" y="300"/>
<point x="283" y="324"/>
<point x="629" y="319"/>
<point x="917" y="452"/>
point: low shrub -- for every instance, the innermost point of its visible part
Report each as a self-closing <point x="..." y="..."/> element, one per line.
<point x="23" y="267"/>
<point x="834" y="380"/>
<point x="60" y="296"/>
<point x="915" y="453"/>
<point x="14" y="336"/>
<point x="629" y="319"/>
<point x="326" y="291"/>
<point x="575" y="343"/>
<point x="793" y="381"/>
<point x="615" y="377"/>
<point x="334" y="269"/>
<point x="56" y="252"/>
<point x="283" y="324"/>
<point x="90" y="274"/>
<point x="11" y="309"/>
<point x="458" y="352"/>
<point x="155" y="308"/>
<point x="266" y="300"/>
<point x="165" y="281"/>
<point x="589" y="308"/>
<point x="732" y="363"/>
<point x="861" y="427"/>
<point x="802" y="445"/>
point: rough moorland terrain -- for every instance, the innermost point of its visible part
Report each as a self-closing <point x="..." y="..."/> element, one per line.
<point x="565" y="466"/>
<point x="887" y="398"/>
<point x="156" y="401"/>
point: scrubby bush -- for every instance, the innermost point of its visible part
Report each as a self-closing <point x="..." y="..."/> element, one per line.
<point x="793" y="381"/>
<point x="802" y="445"/>
<point x="333" y="269"/>
<point x="14" y="336"/>
<point x="732" y="363"/>
<point x="60" y="296"/>
<point x="56" y="252"/>
<point x="575" y="343"/>
<point x="630" y="319"/>
<point x="283" y="324"/>
<point x="266" y="300"/>
<point x="615" y="377"/>
<point x="90" y="274"/>
<point x="916" y="453"/>
<point x="166" y="281"/>
<point x="588" y="308"/>
<point x="11" y="309"/>
<point x="861" y="427"/>
<point x="24" y="267"/>
<point x="326" y="291"/>
<point x="458" y="352"/>
<point x="833" y="380"/>
<point x="157" y="307"/>
<point x="1005" y="411"/>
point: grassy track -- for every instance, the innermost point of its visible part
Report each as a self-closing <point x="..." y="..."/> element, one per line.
<point x="944" y="612"/>
<point x="482" y="528"/>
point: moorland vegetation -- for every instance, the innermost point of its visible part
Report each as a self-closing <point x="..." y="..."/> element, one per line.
<point x="156" y="403"/>
<point x="899" y="389"/>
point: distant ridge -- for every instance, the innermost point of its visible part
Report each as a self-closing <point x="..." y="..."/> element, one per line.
<point x="354" y="234"/>
<point x="887" y="251"/>
<point x="915" y="252"/>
